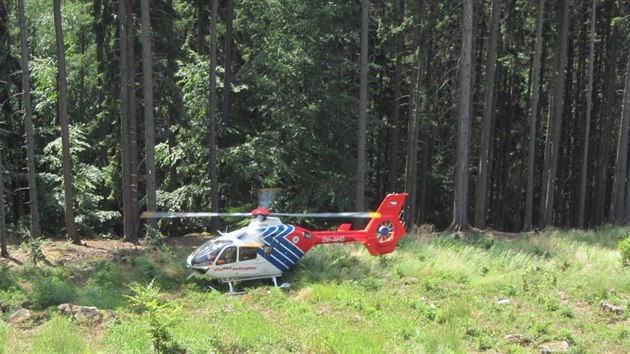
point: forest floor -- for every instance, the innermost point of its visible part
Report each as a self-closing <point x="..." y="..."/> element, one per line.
<point x="59" y="252"/>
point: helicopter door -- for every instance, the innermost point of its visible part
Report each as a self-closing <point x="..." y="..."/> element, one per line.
<point x="225" y="263"/>
<point x="248" y="261"/>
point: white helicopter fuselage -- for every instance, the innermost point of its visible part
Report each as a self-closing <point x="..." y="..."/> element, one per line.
<point x="247" y="253"/>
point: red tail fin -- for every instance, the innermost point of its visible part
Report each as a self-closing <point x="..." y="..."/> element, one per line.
<point x="385" y="226"/>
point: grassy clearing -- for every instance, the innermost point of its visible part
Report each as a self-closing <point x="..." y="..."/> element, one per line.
<point x="434" y="294"/>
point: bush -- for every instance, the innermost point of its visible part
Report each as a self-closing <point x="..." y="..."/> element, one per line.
<point x="161" y="315"/>
<point x="52" y="291"/>
<point x="624" y="249"/>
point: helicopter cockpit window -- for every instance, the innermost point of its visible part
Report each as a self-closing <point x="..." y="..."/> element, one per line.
<point x="247" y="253"/>
<point x="228" y="256"/>
<point x="209" y="251"/>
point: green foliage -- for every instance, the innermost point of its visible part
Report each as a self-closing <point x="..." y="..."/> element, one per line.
<point x="52" y="291"/>
<point x="161" y="267"/>
<point x="59" y="335"/>
<point x="4" y="334"/>
<point x="624" y="249"/>
<point x="431" y="295"/>
<point x="130" y="334"/>
<point x="35" y="245"/>
<point x="161" y="316"/>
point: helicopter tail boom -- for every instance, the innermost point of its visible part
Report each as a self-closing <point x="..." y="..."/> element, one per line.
<point x="380" y="235"/>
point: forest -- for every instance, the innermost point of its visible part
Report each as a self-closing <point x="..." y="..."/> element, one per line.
<point x="505" y="115"/>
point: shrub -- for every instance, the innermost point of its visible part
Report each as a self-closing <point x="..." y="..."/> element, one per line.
<point x="161" y="315"/>
<point x="624" y="248"/>
<point x="52" y="291"/>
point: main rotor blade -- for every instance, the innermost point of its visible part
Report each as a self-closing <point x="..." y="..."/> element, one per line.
<point x="366" y="215"/>
<point x="172" y="214"/>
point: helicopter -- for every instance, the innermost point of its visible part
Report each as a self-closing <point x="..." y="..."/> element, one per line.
<point x="267" y="247"/>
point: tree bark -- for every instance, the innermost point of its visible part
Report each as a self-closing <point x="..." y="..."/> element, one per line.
<point x="550" y="167"/>
<point x="133" y="126"/>
<point x="212" y="111"/>
<point x="481" y="192"/>
<point x="395" y="129"/>
<point x="617" y="211"/>
<point x="624" y="210"/>
<point x="363" y="107"/>
<point x="601" y="180"/>
<point x="587" y="127"/>
<point x="460" y="219"/>
<point x="395" y="117"/>
<point x="4" y="252"/>
<point x="65" y="130"/>
<point x="533" y="116"/>
<point x="28" y="125"/>
<point x="414" y="113"/>
<point x="149" y="131"/>
<point x="227" y="78"/>
<point x="128" y="232"/>
<point x="201" y="26"/>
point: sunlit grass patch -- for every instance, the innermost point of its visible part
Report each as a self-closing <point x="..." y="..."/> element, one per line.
<point x="129" y="334"/>
<point x="59" y="335"/>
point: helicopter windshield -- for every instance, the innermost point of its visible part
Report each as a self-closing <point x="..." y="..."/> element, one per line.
<point x="209" y="251"/>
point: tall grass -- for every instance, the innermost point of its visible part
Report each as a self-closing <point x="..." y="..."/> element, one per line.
<point x="59" y="336"/>
<point x="434" y="294"/>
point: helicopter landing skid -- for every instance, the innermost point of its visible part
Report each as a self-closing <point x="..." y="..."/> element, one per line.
<point x="231" y="284"/>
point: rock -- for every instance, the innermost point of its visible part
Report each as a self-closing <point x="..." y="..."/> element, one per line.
<point x="26" y="304"/>
<point x="504" y="302"/>
<point x="83" y="314"/>
<point x="516" y="339"/>
<point x="88" y="314"/>
<point x="4" y="308"/>
<point x="66" y="309"/>
<point x="554" y="347"/>
<point x="561" y="295"/>
<point x="227" y="308"/>
<point x="606" y="306"/>
<point x="20" y="316"/>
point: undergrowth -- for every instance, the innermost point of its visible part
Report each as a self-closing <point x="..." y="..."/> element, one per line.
<point x="435" y="293"/>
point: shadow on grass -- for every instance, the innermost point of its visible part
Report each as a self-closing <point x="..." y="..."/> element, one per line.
<point x="329" y="263"/>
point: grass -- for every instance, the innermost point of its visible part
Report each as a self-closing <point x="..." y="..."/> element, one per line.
<point x="435" y="294"/>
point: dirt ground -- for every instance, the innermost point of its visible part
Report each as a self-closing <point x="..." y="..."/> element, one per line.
<point x="64" y="252"/>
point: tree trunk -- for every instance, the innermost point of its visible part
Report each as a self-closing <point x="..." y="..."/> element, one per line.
<point x="201" y="26"/>
<point x="65" y="126"/>
<point x="149" y="132"/>
<point x="128" y="233"/>
<point x="395" y="117"/>
<point x="133" y="126"/>
<point x="587" y="127"/>
<point x="28" y="126"/>
<point x="622" y="210"/>
<point x="395" y="129"/>
<point x="554" y="121"/>
<point x="4" y="252"/>
<point x="460" y="219"/>
<point x="363" y="107"/>
<point x="227" y="78"/>
<point x="414" y="110"/>
<point x="601" y="180"/>
<point x="481" y="192"/>
<point x="212" y="111"/>
<point x="533" y="116"/>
